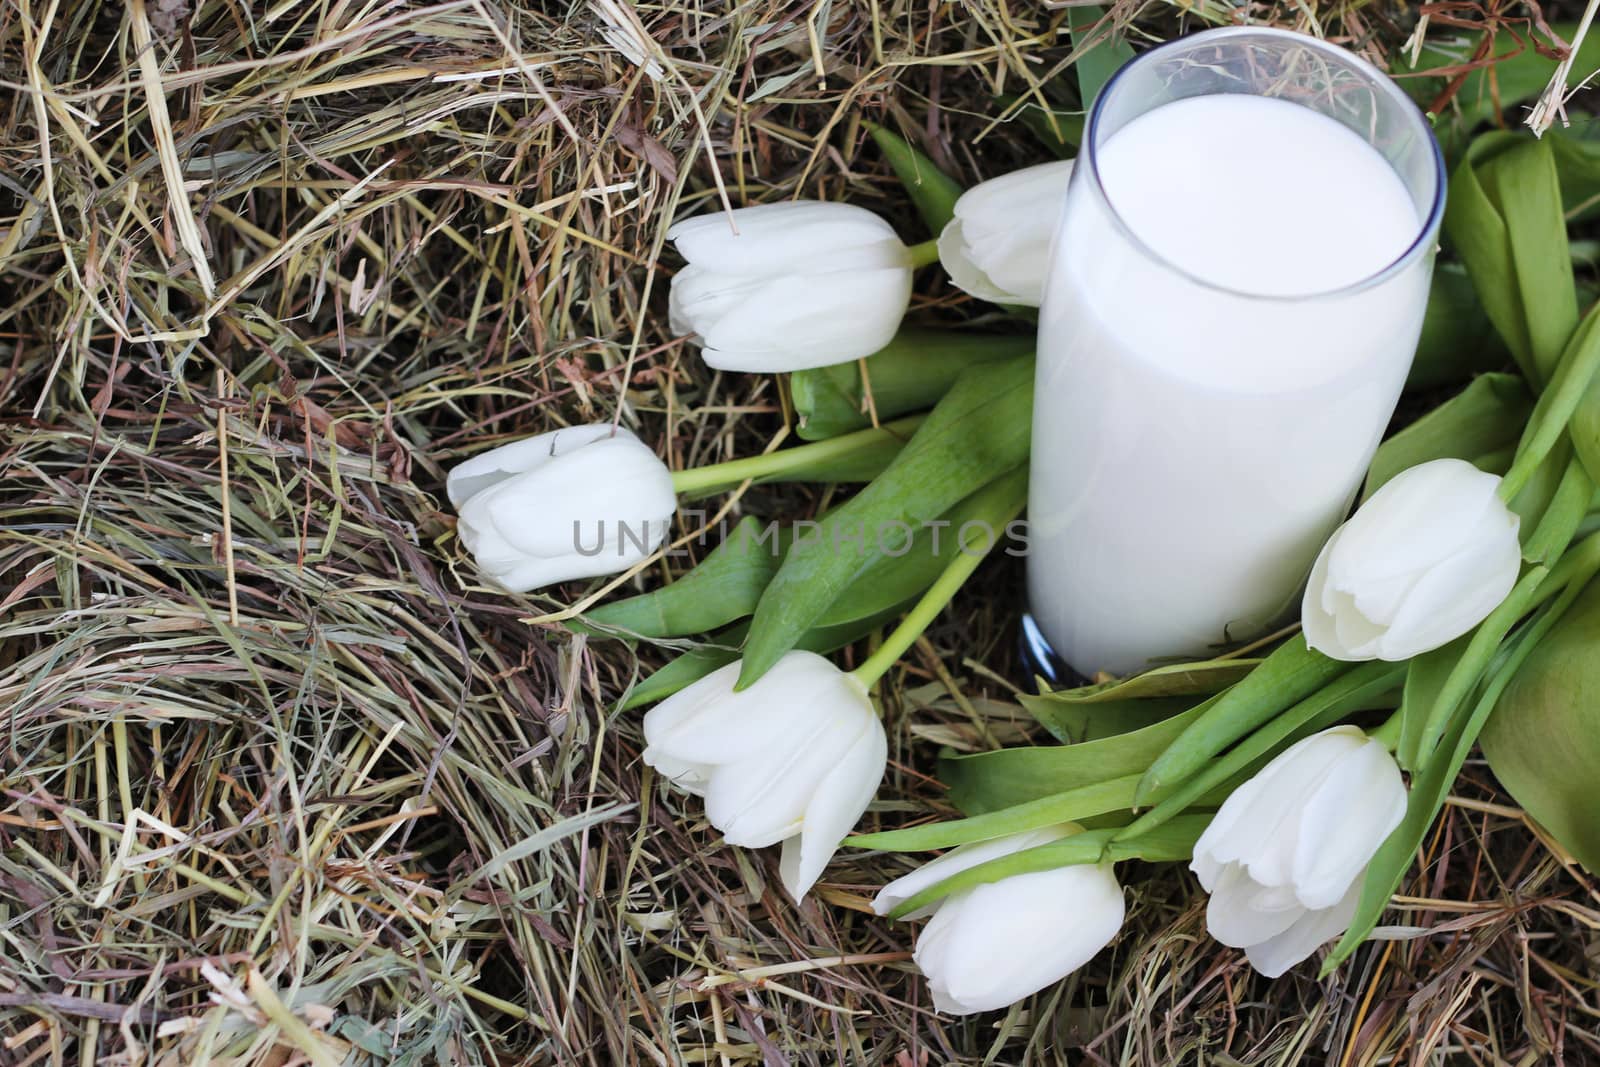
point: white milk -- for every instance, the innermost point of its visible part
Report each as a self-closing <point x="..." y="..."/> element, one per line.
<point x="1195" y="439"/>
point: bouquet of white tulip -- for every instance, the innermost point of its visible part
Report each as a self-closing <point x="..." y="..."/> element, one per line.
<point x="1296" y="784"/>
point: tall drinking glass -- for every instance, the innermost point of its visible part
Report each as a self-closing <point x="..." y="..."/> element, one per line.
<point x="1234" y="297"/>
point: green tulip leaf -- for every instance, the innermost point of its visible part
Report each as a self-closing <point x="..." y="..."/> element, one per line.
<point x="1431" y="783"/>
<point x="1478" y="424"/>
<point x="1504" y="216"/>
<point x="977" y="432"/>
<point x="724" y="587"/>
<point x="910" y="373"/>
<point x="1095" y="711"/>
<point x="1543" y="738"/>
<point x="1457" y="339"/>
<point x="989" y="781"/>
<point x="1290" y="674"/>
<point x="932" y="190"/>
<point x="892" y="580"/>
<point x="1104" y="50"/>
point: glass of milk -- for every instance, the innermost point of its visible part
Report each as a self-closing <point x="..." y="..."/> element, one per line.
<point x="1235" y="292"/>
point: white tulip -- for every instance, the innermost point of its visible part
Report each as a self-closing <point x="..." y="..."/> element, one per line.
<point x="574" y="503"/>
<point x="1285" y="856"/>
<point x="800" y="284"/>
<point x="794" y="758"/>
<point x="1419" y="564"/>
<point x="989" y="946"/>
<point x="998" y="245"/>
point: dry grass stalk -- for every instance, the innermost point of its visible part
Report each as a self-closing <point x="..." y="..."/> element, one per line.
<point x="281" y="784"/>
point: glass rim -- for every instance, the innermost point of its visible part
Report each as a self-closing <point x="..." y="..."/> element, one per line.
<point x="1427" y="231"/>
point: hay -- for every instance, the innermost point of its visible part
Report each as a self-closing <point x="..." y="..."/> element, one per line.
<point x="280" y="783"/>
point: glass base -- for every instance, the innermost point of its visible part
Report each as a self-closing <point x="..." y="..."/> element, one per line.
<point x="1041" y="660"/>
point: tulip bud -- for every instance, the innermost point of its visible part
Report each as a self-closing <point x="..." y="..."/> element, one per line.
<point x="783" y="287"/>
<point x="990" y="946"/>
<point x="998" y="246"/>
<point x="1284" y="858"/>
<point x="574" y="503"/>
<point x="1423" y="561"/>
<point x="795" y="758"/>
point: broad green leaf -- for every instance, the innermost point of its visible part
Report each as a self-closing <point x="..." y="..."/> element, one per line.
<point x="724" y="587"/>
<point x="1457" y="338"/>
<point x="988" y="781"/>
<point x="1523" y="185"/>
<point x="1480" y="421"/>
<point x="1431" y="784"/>
<point x="1543" y="738"/>
<point x="1578" y="167"/>
<point x="1094" y="711"/>
<point x="1072" y="805"/>
<point x="728" y="583"/>
<point x="1074" y="722"/>
<point x="689" y="667"/>
<point x="1504" y="217"/>
<point x="978" y="432"/>
<point x="1290" y="674"/>
<point x="908" y="374"/>
<point x="1105" y="54"/>
<point x="1367" y="686"/>
<point x="932" y="190"/>
<point x="892" y="580"/>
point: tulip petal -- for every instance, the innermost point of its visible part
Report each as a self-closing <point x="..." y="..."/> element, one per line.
<point x="692" y="778"/>
<point x="1422" y="515"/>
<point x="762" y="799"/>
<point x="614" y="494"/>
<point x="1343" y="821"/>
<point x="1457" y="593"/>
<point x="1016" y="936"/>
<point x="717" y="725"/>
<point x="1255" y="825"/>
<point x="1317" y="607"/>
<point x="1313" y="929"/>
<point x="956" y="259"/>
<point x="1241" y="912"/>
<point x="836" y="805"/>
<point x="798" y="322"/>
<point x="486" y="469"/>
<point x="796" y="235"/>
<point x="700" y="298"/>
<point x="1358" y="635"/>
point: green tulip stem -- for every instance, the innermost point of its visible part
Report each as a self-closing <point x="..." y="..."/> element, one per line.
<point x="1389" y="732"/>
<point x="932" y="603"/>
<point x="925" y="253"/>
<point x="788" y="460"/>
